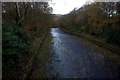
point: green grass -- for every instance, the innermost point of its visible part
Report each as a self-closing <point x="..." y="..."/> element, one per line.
<point x="41" y="59"/>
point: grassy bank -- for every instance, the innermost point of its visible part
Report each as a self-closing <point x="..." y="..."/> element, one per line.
<point x="41" y="59"/>
<point x="36" y="45"/>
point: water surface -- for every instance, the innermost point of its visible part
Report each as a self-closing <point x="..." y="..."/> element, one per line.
<point x="77" y="58"/>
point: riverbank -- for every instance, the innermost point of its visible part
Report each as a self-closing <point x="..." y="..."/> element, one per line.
<point x="41" y="58"/>
<point x="36" y="45"/>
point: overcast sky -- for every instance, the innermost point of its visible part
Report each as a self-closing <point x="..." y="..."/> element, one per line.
<point x="65" y="6"/>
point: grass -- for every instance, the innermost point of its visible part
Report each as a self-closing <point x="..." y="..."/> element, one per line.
<point x="41" y="59"/>
<point x="36" y="44"/>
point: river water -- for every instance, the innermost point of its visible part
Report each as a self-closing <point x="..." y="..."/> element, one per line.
<point x="77" y="58"/>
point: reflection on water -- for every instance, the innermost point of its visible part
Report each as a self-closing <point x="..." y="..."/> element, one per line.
<point x="74" y="58"/>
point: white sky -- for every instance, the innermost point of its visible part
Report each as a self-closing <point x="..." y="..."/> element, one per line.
<point x="65" y="6"/>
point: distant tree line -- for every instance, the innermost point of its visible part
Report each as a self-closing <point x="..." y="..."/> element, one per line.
<point x="98" y="19"/>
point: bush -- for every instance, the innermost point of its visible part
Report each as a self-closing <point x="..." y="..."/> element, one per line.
<point x="73" y="30"/>
<point x="113" y="37"/>
<point x="16" y="43"/>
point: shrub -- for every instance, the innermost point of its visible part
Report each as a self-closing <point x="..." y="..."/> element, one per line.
<point x="112" y="36"/>
<point x="15" y="45"/>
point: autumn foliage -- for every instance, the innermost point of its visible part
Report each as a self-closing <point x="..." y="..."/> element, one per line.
<point x="101" y="20"/>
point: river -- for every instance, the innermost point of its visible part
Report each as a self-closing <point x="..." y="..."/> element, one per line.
<point x="77" y="58"/>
